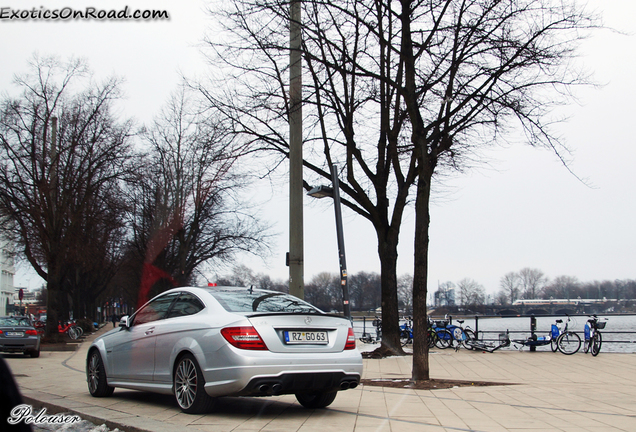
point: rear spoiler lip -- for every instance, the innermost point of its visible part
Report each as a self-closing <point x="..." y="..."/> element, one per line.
<point x="258" y="314"/>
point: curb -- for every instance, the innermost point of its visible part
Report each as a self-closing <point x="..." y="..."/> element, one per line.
<point x="52" y="408"/>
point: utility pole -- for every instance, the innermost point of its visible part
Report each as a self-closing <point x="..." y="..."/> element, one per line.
<point x="296" y="253"/>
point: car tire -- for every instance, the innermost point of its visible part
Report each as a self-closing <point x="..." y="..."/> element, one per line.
<point x="34" y="353"/>
<point x="316" y="400"/>
<point x="189" y="387"/>
<point x="96" y="376"/>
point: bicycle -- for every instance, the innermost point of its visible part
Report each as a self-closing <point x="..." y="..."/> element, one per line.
<point x="477" y="344"/>
<point x="555" y="332"/>
<point x="593" y="338"/>
<point x="406" y="332"/>
<point x="439" y="335"/>
<point x="535" y="341"/>
<point x="367" y="338"/>
<point x="71" y="329"/>
<point x="568" y="342"/>
<point x="39" y="326"/>
<point x="462" y="334"/>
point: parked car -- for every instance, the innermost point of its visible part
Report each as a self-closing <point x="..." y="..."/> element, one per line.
<point x="203" y="343"/>
<point x="17" y="334"/>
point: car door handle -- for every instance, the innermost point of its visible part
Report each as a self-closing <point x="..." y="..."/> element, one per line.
<point x="149" y="331"/>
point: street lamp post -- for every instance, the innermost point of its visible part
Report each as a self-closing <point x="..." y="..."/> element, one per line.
<point x="322" y="192"/>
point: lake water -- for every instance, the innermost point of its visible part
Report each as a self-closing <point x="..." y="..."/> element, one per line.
<point x="619" y="334"/>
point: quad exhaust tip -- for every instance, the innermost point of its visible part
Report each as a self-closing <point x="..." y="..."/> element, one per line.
<point x="275" y="388"/>
<point x="348" y="385"/>
<point x="270" y="388"/>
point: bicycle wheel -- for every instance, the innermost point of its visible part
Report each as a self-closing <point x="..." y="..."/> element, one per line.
<point x="569" y="343"/>
<point x="72" y="333"/>
<point x="405" y="337"/>
<point x="458" y="335"/>
<point x="553" y="345"/>
<point x="444" y="339"/>
<point x="469" y="336"/>
<point x="596" y="343"/>
<point x="431" y="338"/>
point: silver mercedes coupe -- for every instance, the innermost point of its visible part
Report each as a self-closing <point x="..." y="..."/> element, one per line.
<point x="203" y="343"/>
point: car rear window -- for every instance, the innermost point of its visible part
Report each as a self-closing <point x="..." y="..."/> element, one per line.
<point x="15" y="322"/>
<point x="261" y="301"/>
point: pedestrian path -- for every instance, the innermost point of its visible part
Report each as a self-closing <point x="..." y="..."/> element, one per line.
<point x="545" y="391"/>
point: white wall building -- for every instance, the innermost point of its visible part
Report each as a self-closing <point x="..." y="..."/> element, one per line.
<point x="7" y="267"/>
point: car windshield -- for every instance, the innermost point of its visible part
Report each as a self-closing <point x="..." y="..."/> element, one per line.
<point x="261" y="301"/>
<point x="14" y="322"/>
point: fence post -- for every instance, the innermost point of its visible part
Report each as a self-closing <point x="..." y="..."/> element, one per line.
<point x="533" y="327"/>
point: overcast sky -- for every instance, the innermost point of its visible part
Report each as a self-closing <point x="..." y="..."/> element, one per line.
<point x="522" y="210"/>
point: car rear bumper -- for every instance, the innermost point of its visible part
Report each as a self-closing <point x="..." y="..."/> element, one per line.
<point x="291" y="383"/>
<point x="20" y="345"/>
<point x="265" y="373"/>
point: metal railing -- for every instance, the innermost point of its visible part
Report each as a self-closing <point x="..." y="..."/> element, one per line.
<point x="365" y="324"/>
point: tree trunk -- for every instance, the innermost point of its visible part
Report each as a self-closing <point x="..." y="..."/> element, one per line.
<point x="420" y="277"/>
<point x="387" y="251"/>
<point x="53" y="306"/>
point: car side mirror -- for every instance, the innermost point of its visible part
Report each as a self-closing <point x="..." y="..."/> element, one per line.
<point x="124" y="322"/>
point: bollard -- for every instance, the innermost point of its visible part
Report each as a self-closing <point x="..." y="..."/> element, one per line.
<point x="533" y="327"/>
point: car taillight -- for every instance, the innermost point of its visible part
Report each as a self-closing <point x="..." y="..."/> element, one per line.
<point x="31" y="332"/>
<point x="351" y="340"/>
<point x="244" y="338"/>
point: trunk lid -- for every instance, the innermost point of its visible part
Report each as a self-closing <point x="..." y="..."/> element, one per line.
<point x="301" y="333"/>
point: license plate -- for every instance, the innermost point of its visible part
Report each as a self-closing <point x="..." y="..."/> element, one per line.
<point x="15" y="334"/>
<point x="306" y="337"/>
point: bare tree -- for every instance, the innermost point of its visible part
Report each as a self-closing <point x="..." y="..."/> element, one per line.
<point x="55" y="184"/>
<point x="365" y="290"/>
<point x="266" y="282"/>
<point x="471" y="293"/>
<point x="531" y="281"/>
<point x="353" y="117"/>
<point x="400" y="91"/>
<point x="563" y="287"/>
<point x="323" y="291"/>
<point x="509" y="284"/>
<point x="187" y="210"/>
<point x="501" y="298"/>
<point x="405" y="293"/>
<point x="472" y="69"/>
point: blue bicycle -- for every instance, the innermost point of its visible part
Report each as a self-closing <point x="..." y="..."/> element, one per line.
<point x="439" y="335"/>
<point x="593" y="338"/>
<point x="406" y="332"/>
<point x="463" y="335"/>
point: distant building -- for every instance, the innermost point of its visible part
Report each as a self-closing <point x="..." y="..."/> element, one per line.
<point x="7" y="290"/>
<point x="444" y="296"/>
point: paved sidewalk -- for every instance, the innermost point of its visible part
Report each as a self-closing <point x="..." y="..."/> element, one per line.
<point x="551" y="392"/>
